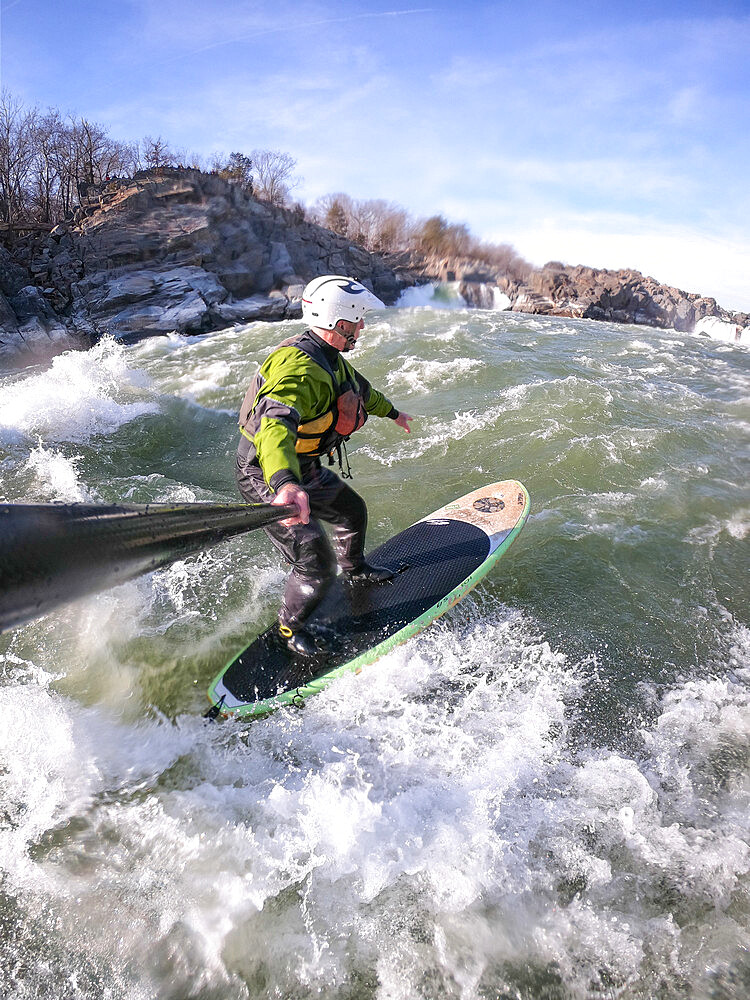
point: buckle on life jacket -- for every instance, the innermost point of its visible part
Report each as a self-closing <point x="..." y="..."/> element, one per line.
<point x="339" y="449"/>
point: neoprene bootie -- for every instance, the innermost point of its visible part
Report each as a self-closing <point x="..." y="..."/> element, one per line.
<point x="300" y="642"/>
<point x="365" y="573"/>
<point x="309" y="640"/>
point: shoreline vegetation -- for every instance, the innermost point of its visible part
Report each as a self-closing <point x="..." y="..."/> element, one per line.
<point x="52" y="167"/>
<point x="136" y="239"/>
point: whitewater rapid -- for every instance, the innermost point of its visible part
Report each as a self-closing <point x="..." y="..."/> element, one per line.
<point x="544" y="795"/>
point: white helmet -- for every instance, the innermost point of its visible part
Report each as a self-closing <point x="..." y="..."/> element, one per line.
<point x="332" y="297"/>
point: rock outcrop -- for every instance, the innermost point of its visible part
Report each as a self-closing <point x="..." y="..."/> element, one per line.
<point x="624" y="296"/>
<point x="618" y="296"/>
<point x="183" y="251"/>
<point x="29" y="325"/>
<point x="170" y="251"/>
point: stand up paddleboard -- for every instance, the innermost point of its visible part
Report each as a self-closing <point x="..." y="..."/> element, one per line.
<point x="437" y="561"/>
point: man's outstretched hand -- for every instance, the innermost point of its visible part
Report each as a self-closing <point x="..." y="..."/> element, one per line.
<point x="291" y="493"/>
<point x="403" y="420"/>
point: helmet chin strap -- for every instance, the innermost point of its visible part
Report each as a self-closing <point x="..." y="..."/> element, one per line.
<point x="341" y="341"/>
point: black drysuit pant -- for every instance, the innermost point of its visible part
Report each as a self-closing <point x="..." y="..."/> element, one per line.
<point x="306" y="546"/>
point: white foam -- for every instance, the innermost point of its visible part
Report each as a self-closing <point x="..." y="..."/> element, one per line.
<point x="619" y="532"/>
<point x="501" y="301"/>
<point x="442" y="433"/>
<point x="654" y="484"/>
<point x="718" y="329"/>
<point x="449" y="333"/>
<point x="637" y="347"/>
<point x="81" y="394"/>
<point x="57" y="476"/>
<point x="737" y="526"/>
<point x="205" y="378"/>
<point x="429" y="817"/>
<point x="419" y="375"/>
<point x="449" y="822"/>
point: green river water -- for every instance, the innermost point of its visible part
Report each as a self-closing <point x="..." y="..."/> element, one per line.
<point x="545" y="795"/>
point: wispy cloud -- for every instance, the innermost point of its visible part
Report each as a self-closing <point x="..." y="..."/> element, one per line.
<point x="292" y="26"/>
<point x="611" y="177"/>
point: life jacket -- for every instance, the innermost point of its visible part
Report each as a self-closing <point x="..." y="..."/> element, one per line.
<point x="326" y="432"/>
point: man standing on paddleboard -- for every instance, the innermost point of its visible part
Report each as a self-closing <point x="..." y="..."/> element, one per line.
<point x="305" y="403"/>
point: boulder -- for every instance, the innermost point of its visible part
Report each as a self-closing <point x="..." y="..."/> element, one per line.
<point x="281" y="262"/>
<point x="256" y="307"/>
<point x="8" y="319"/>
<point x="13" y="276"/>
<point x="181" y="279"/>
<point x="241" y="276"/>
<point x="188" y="315"/>
<point x="30" y="330"/>
<point x="29" y="304"/>
<point x="143" y="303"/>
<point x="128" y="288"/>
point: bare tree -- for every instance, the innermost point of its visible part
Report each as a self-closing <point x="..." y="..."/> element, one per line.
<point x="431" y="235"/>
<point x="373" y="223"/>
<point x="333" y="212"/>
<point x="197" y="161"/>
<point x="70" y="158"/>
<point x="50" y="164"/>
<point x="362" y="222"/>
<point x="94" y="144"/>
<point x="390" y="227"/>
<point x="17" y="127"/>
<point x="273" y="179"/>
<point x="45" y="184"/>
<point x="155" y="153"/>
<point x="336" y="218"/>
<point x="216" y="162"/>
<point x="441" y="238"/>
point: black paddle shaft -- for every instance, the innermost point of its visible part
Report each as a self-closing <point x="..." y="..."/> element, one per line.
<point x="54" y="553"/>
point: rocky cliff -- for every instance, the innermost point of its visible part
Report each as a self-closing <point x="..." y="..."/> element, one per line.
<point x="179" y="250"/>
<point x="619" y="296"/>
<point x="168" y="251"/>
<point x="624" y="296"/>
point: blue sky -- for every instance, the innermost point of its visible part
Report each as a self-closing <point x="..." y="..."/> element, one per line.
<point x="610" y="134"/>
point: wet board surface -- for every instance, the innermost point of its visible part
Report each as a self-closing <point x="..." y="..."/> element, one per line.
<point x="437" y="561"/>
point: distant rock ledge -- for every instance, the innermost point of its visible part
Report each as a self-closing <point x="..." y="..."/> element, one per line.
<point x="187" y="252"/>
<point x="618" y="296"/>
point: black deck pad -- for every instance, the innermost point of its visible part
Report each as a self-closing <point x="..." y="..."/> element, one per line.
<point x="432" y="557"/>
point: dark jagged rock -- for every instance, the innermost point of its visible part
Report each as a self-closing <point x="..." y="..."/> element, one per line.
<point x="175" y="250"/>
<point x="624" y="296"/>
<point x="30" y="328"/>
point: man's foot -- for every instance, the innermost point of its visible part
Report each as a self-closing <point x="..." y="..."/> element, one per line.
<point x="368" y="574"/>
<point x="323" y="634"/>
<point x="300" y="642"/>
<point x="308" y="640"/>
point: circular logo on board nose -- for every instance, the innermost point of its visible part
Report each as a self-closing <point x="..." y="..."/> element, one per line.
<point x="488" y="504"/>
